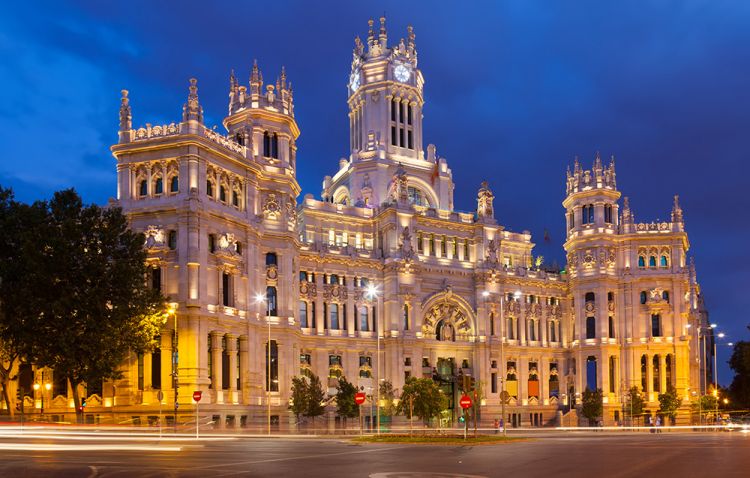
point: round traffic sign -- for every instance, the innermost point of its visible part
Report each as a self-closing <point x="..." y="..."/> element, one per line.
<point x="359" y="398"/>
<point x="465" y="401"/>
<point x="197" y="395"/>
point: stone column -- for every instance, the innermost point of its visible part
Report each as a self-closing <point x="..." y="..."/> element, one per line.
<point x="351" y="310"/>
<point x="649" y="376"/>
<point x="232" y="351"/>
<point x="244" y="370"/>
<point x="663" y="372"/>
<point x="166" y="364"/>
<point x="319" y="318"/>
<point x="216" y="368"/>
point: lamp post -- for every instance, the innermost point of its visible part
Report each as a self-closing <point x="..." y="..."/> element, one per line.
<point x="503" y="366"/>
<point x="703" y="386"/>
<point x="172" y="311"/>
<point x="36" y="389"/>
<point x="372" y="294"/>
<point x="259" y="298"/>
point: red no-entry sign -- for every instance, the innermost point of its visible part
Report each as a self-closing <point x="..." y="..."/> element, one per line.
<point x="465" y="401"/>
<point x="359" y="398"/>
<point x="197" y="395"/>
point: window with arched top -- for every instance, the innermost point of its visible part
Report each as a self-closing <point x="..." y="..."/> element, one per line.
<point x="665" y="295"/>
<point x="417" y="196"/>
<point x="275" y="146"/>
<point x="235" y="198"/>
<point x="644" y="296"/>
<point x="159" y="186"/>
<point x="641" y="261"/>
<point x="608" y="213"/>
<point x="209" y="188"/>
<point x="222" y="193"/>
<point x="143" y="188"/>
<point x="664" y="261"/>
<point x="174" y="184"/>
<point x="652" y="261"/>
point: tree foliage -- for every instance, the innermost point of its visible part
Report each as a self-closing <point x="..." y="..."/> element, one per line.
<point x="91" y="306"/>
<point x="300" y="391"/>
<point x="315" y="406"/>
<point x="307" y="396"/>
<point x="669" y="402"/>
<point x="592" y="405"/>
<point x="388" y="396"/>
<point x="634" y="402"/>
<point x="739" y="362"/>
<point x="345" y="405"/>
<point x="425" y="397"/>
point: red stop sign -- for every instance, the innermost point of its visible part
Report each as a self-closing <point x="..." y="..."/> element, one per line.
<point x="465" y="401"/>
<point x="197" y="395"/>
<point x="359" y="398"/>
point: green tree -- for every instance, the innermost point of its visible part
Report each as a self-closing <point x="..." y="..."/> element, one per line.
<point x="388" y="396"/>
<point x="345" y="405"/>
<point x="669" y="402"/>
<point x="315" y="405"/>
<point x="300" y="394"/>
<point x="739" y="390"/>
<point x="425" y="396"/>
<point x="592" y="405"/>
<point x="704" y="407"/>
<point x="96" y="307"/>
<point x="634" y="403"/>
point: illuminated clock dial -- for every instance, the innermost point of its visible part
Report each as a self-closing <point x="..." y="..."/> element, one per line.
<point x="402" y="73"/>
<point x="354" y="80"/>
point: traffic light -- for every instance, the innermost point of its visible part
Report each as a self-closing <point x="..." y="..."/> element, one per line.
<point x="461" y="419"/>
<point x="83" y="405"/>
<point x="472" y="383"/>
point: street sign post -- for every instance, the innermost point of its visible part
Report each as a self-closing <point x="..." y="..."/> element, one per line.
<point x="160" y="397"/>
<point x="197" y="397"/>
<point x="465" y="403"/>
<point x="359" y="399"/>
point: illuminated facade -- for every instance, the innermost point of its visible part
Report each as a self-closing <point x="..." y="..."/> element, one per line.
<point x="456" y="292"/>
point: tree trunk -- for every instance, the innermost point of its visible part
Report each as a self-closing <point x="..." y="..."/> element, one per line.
<point x="6" y="398"/>
<point x="76" y="401"/>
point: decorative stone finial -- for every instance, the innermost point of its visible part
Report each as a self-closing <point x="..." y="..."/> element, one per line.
<point x="126" y="118"/>
<point x="485" y="198"/>
<point x="192" y="110"/>
<point x="676" y="209"/>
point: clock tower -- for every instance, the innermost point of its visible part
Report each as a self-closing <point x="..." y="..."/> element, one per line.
<point x="385" y="98"/>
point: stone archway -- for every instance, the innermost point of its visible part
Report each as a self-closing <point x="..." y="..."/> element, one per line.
<point x="447" y="317"/>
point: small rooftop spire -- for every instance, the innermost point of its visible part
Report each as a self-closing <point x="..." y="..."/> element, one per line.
<point x="126" y="118"/>
<point x="383" y="37"/>
<point x="370" y="33"/>
<point x="192" y="110"/>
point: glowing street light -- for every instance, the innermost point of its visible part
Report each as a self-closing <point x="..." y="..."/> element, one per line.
<point x="371" y="293"/>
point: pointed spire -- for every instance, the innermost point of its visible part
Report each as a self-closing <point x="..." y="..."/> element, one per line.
<point x="383" y="37"/>
<point x="598" y="161"/>
<point x="576" y="165"/>
<point x="233" y="91"/>
<point x="410" y="36"/>
<point x="126" y="117"/>
<point x="676" y="209"/>
<point x="256" y="80"/>
<point x="192" y="110"/>
<point x="370" y="34"/>
<point x="283" y="78"/>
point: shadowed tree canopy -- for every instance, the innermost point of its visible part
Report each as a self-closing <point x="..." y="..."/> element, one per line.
<point x="345" y="405"/>
<point x="422" y="395"/>
<point x="739" y="390"/>
<point x="89" y="305"/>
<point x="592" y="404"/>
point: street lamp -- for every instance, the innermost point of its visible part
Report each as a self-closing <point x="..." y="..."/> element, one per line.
<point x="372" y="293"/>
<point x="259" y="298"/>
<point x="172" y="312"/>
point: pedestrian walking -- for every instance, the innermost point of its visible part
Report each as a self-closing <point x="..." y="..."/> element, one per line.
<point x="658" y="424"/>
<point x="497" y="426"/>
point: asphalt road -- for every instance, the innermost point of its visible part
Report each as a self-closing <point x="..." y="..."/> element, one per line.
<point x="722" y="454"/>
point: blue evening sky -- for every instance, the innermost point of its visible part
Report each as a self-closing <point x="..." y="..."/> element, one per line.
<point x="514" y="90"/>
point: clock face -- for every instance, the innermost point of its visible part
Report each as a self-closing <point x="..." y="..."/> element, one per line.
<point x="402" y="73"/>
<point x="354" y="81"/>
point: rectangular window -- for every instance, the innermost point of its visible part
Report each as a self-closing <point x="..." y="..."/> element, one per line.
<point x="444" y="246"/>
<point x="493" y="381"/>
<point x="226" y="284"/>
<point x="303" y="314"/>
<point x="140" y="372"/>
<point x="432" y="245"/>
<point x="656" y="325"/>
<point x="156" y="278"/>
<point x="590" y="328"/>
<point x="156" y="367"/>
<point x="363" y="322"/>
<point x="334" y="309"/>
<point x="466" y="250"/>
<point x="420" y="244"/>
<point x="455" y="248"/>
<point x="410" y="140"/>
<point x="611" y="328"/>
<point x="272" y="379"/>
<point x="401" y="137"/>
<point x="393" y="135"/>
<point x="409" y="115"/>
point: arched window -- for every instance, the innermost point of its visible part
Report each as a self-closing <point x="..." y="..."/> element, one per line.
<point x="222" y="194"/>
<point x="657" y="373"/>
<point x="235" y="198"/>
<point x="591" y="382"/>
<point x="143" y="188"/>
<point x="158" y="186"/>
<point x="641" y="261"/>
<point x="644" y="297"/>
<point x="652" y="261"/>
<point x="266" y="144"/>
<point x="532" y="329"/>
<point x="591" y="213"/>
<point x="608" y="213"/>
<point x="271" y="300"/>
<point x="417" y="196"/>
<point x="209" y="188"/>
<point x="611" y="327"/>
<point x="271" y="259"/>
<point x="664" y="261"/>
<point x="174" y="184"/>
<point x="590" y="327"/>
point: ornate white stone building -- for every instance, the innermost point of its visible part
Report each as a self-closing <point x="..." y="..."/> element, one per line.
<point x="455" y="292"/>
